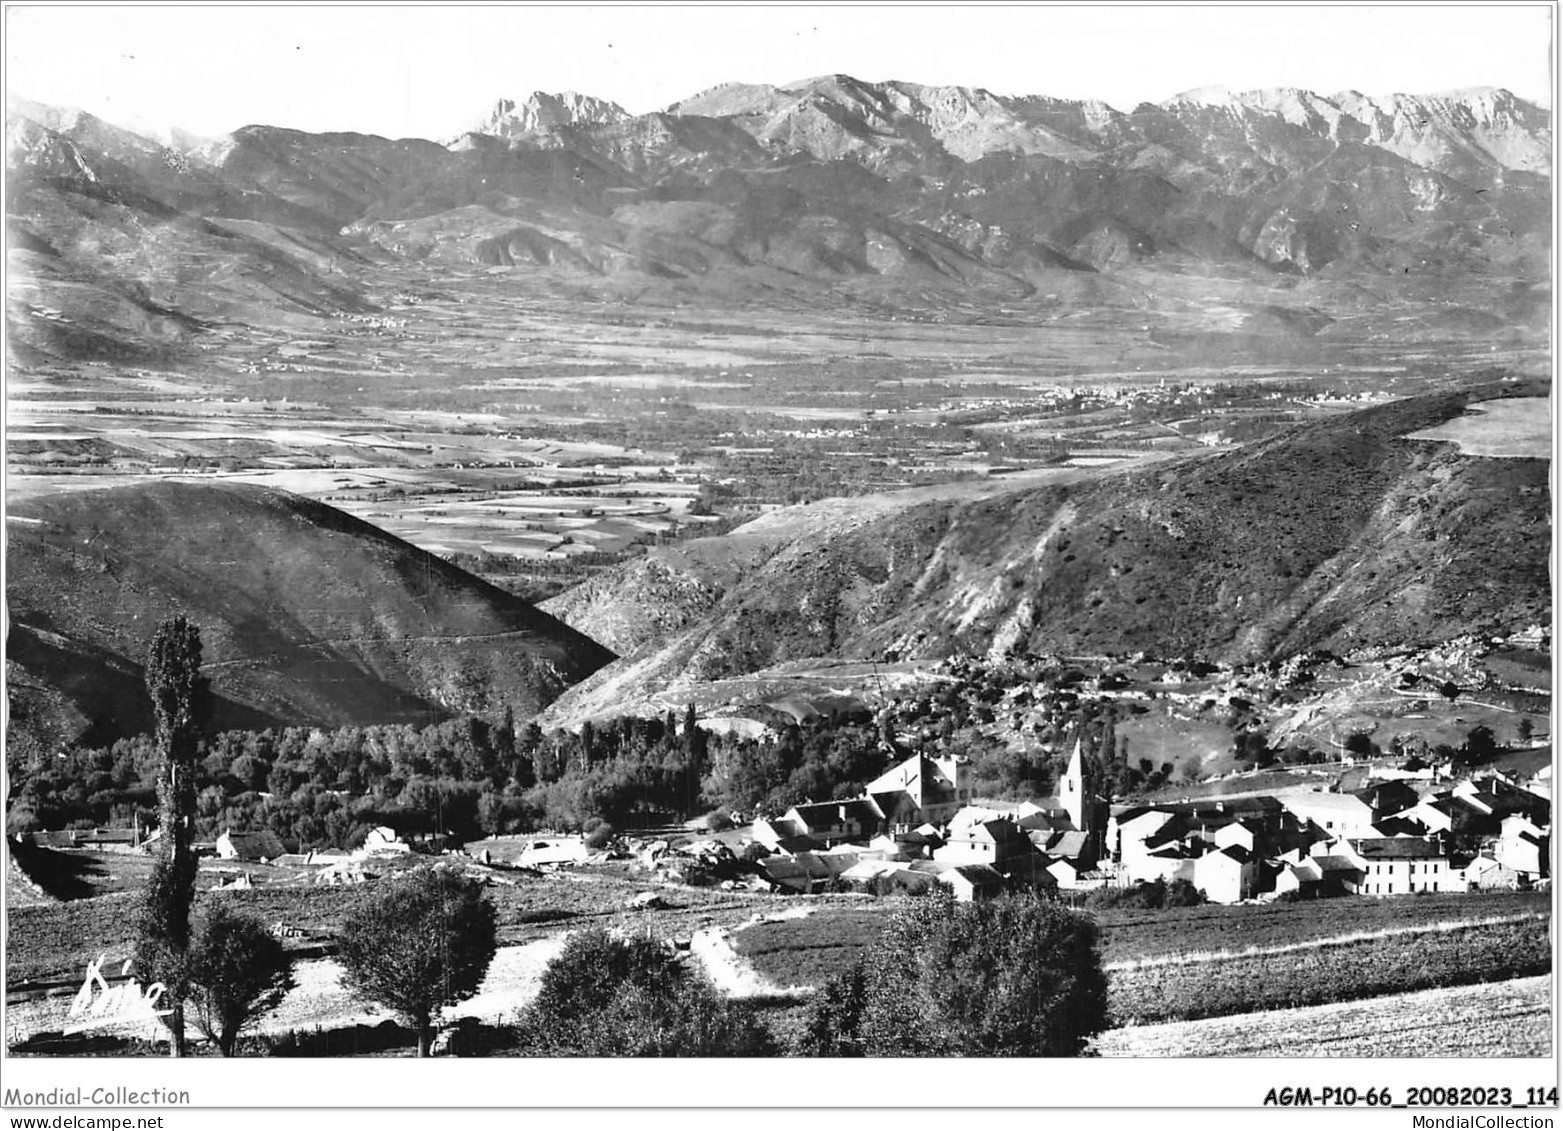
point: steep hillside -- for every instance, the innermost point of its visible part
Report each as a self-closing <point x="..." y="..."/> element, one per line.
<point x="308" y="616"/>
<point x="1332" y="535"/>
<point x="133" y="261"/>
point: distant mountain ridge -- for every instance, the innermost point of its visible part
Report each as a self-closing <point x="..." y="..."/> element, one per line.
<point x="541" y="111"/>
<point x="749" y="187"/>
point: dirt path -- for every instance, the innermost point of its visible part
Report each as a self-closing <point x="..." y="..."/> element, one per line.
<point x="321" y="997"/>
<point x="733" y="974"/>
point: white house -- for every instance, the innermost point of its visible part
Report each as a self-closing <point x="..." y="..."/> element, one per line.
<point x="1228" y="875"/>
<point x="1299" y="876"/>
<point x="1338" y="814"/>
<point x="1129" y="832"/>
<point x="1402" y="865"/>
<point x="996" y="842"/>
<point x="1235" y="835"/>
<point x="1522" y="847"/>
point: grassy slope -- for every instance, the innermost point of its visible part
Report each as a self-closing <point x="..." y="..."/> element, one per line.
<point x="306" y="613"/>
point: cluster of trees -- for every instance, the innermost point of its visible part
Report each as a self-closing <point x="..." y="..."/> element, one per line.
<point x="312" y="786"/>
<point x="318" y="788"/>
<point x="1480" y="746"/>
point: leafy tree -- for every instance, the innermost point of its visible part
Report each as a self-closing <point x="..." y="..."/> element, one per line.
<point x="1359" y="744"/>
<point x="180" y="706"/>
<point x="1015" y="976"/>
<point x="1252" y="748"/>
<point x="608" y="996"/>
<point x="422" y="942"/>
<point x="1481" y="745"/>
<point x="238" y="971"/>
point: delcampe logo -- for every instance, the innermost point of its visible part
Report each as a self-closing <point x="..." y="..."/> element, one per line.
<point x="97" y="1003"/>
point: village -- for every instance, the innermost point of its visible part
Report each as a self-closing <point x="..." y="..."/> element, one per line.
<point x="1404" y="833"/>
<point x="1400" y="835"/>
<point x="1396" y="815"/>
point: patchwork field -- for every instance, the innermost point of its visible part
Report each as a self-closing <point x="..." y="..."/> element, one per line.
<point x="1218" y="961"/>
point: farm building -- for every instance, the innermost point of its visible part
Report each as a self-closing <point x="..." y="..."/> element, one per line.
<point x="832" y="822"/>
<point x="1486" y="874"/>
<point x="1302" y="877"/>
<point x="382" y="839"/>
<point x="972" y="881"/>
<point x="260" y="846"/>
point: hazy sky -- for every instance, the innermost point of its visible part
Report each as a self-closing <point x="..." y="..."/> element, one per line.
<point x="430" y="71"/>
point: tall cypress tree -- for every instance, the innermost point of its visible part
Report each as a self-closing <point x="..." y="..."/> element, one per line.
<point x="180" y="709"/>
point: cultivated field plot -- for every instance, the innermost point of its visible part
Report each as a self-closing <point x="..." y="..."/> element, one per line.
<point x="1492" y="1019"/>
<point x="1138" y="936"/>
<point x="809" y="951"/>
<point x="1355" y="967"/>
<point x="1213" y="961"/>
<point x="1518" y="428"/>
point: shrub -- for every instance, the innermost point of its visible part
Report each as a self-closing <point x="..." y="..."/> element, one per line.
<point x="237" y="972"/>
<point x="1182" y="893"/>
<point x="422" y="942"/>
<point x="1014" y="976"/>
<point x="609" y="996"/>
<point x="1150" y="895"/>
<point x="599" y="836"/>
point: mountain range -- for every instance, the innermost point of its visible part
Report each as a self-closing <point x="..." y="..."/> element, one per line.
<point x="144" y="241"/>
